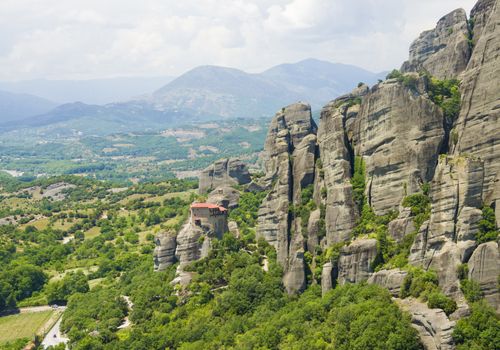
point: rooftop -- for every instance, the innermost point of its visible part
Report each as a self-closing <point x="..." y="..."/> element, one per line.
<point x="207" y="206"/>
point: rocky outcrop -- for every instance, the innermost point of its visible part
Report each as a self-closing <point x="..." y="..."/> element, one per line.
<point x="355" y="261"/>
<point x="478" y="126"/>
<point x="390" y="279"/>
<point x="484" y="268"/>
<point x="164" y="253"/>
<point x="189" y="244"/>
<point x="289" y="162"/>
<point x="398" y="132"/>
<point x="447" y="240"/>
<point x="337" y="159"/>
<point x="225" y="196"/>
<point x="479" y="16"/>
<point x="313" y="228"/>
<point x="443" y="51"/>
<point x="327" y="277"/>
<point x="433" y="326"/>
<point x="224" y="172"/>
<point x="402" y="225"/>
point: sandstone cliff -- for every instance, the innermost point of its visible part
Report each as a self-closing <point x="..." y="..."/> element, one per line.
<point x="407" y="144"/>
<point x="289" y="161"/>
<point x="443" y="51"/>
<point x="407" y="141"/>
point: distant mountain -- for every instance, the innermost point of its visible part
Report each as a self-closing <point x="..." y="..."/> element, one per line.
<point x="94" y="91"/>
<point x="84" y="119"/>
<point x="204" y="93"/>
<point x="15" y="106"/>
<point x="230" y="92"/>
<point x="318" y="82"/>
<point x="225" y="92"/>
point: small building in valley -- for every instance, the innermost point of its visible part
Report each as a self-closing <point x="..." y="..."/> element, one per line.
<point x="210" y="217"/>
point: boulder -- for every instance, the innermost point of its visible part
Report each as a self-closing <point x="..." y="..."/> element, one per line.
<point x="327" y="278"/>
<point x="402" y="225"/>
<point x="233" y="228"/>
<point x="390" y="279"/>
<point x="225" y="196"/>
<point x="164" y="252"/>
<point x="433" y="326"/>
<point x="443" y="51"/>
<point x="355" y="261"/>
<point x="224" y="172"/>
<point x="484" y="268"/>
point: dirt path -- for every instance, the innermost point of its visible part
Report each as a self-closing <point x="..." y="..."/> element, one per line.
<point x="126" y="322"/>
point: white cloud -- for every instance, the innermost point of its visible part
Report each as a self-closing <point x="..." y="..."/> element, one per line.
<point x="95" y="38"/>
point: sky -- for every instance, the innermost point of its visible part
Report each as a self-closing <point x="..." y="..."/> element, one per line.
<point x="87" y="39"/>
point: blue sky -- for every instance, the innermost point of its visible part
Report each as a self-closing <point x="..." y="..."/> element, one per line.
<point x="84" y="39"/>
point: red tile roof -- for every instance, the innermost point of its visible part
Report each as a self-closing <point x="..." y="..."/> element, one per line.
<point x="207" y="206"/>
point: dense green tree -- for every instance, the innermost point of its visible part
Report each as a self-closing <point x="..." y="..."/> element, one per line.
<point x="73" y="282"/>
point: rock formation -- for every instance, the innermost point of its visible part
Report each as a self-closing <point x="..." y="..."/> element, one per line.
<point x="390" y="279"/>
<point x="484" y="268"/>
<point x="224" y="172"/>
<point x="327" y="277"/>
<point x="289" y="162"/>
<point x="443" y="51"/>
<point x="478" y="126"/>
<point x="433" y="326"/>
<point x="164" y="253"/>
<point x="404" y="141"/>
<point x="398" y="132"/>
<point x="355" y="261"/>
<point x="225" y="196"/>
<point x="337" y="159"/>
<point x="447" y="240"/>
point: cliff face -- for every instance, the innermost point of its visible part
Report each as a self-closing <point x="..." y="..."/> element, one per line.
<point x="289" y="161"/>
<point x="398" y="132"/>
<point x="479" y="121"/>
<point x="443" y="51"/>
<point x="336" y="160"/>
<point x="406" y="142"/>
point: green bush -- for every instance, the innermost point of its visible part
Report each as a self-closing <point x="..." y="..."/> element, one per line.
<point x="394" y="74"/>
<point x="471" y="289"/>
<point x="438" y="300"/>
<point x="446" y="94"/>
<point x="487" y="226"/>
<point x="420" y="205"/>
<point x="60" y="291"/>
<point x="417" y="282"/>
<point x="358" y="182"/>
<point x="479" y="331"/>
<point x="462" y="271"/>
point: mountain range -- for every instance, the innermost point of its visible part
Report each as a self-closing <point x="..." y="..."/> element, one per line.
<point x="203" y="93"/>
<point x="91" y="91"/>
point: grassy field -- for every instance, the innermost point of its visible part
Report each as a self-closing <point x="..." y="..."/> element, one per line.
<point x="22" y="325"/>
<point x="93" y="232"/>
<point x="183" y="195"/>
